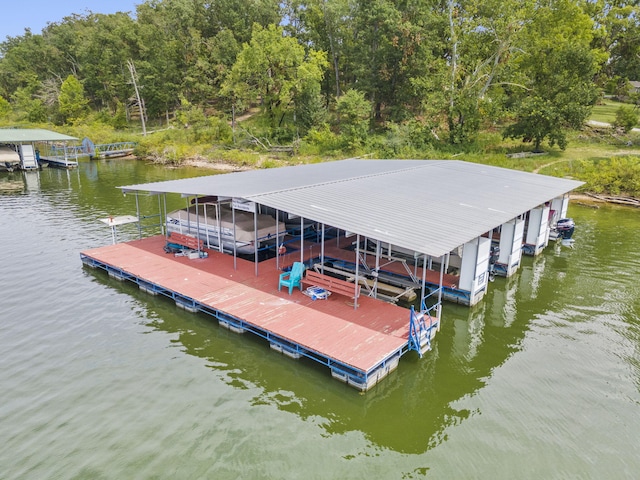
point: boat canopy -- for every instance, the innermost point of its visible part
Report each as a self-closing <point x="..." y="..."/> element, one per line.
<point x="28" y="135"/>
<point x="428" y="206"/>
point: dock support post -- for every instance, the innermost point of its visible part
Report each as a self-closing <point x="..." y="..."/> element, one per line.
<point x="357" y="262"/>
<point x="322" y="252"/>
<point x="163" y="222"/>
<point x="255" y="237"/>
<point x="424" y="280"/>
<point x="301" y="239"/>
<point x="198" y="224"/>
<point x="138" y="215"/>
<point x="277" y="238"/>
<point x="233" y="219"/>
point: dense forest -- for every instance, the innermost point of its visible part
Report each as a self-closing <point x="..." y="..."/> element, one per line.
<point x="330" y="73"/>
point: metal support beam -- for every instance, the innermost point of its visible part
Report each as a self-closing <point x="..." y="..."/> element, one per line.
<point x="357" y="282"/>
<point x="277" y="239"/>
<point x="301" y="239"/>
<point x="233" y="219"/>
<point x="138" y="215"/>
<point x="322" y="251"/>
<point x="255" y="237"/>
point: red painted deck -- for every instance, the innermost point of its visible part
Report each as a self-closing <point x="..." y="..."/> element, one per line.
<point x="361" y="338"/>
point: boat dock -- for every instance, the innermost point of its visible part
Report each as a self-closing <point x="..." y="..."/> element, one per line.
<point x="365" y="252"/>
<point x="88" y="149"/>
<point x="360" y="345"/>
<point x="33" y="147"/>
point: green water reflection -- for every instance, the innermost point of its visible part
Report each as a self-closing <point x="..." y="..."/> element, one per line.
<point x="411" y="410"/>
<point x="408" y="412"/>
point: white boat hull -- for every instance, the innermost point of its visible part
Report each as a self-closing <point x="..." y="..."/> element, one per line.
<point x="214" y="233"/>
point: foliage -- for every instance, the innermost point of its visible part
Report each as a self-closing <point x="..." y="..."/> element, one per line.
<point x="202" y="129"/>
<point x="29" y="107"/>
<point x="354" y="111"/>
<point x="321" y="140"/>
<point x="429" y="74"/>
<point x="277" y="70"/>
<point x="72" y="102"/>
<point x="626" y="118"/>
<point x="556" y="68"/>
<point x="605" y="111"/>
<point x="5" y="107"/>
<point x="613" y="176"/>
<point x="119" y="120"/>
<point x="618" y="34"/>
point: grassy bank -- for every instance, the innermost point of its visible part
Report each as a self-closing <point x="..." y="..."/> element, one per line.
<point x="609" y="162"/>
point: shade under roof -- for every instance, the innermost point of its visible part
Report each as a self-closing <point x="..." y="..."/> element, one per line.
<point x="429" y="206"/>
<point x="22" y="135"/>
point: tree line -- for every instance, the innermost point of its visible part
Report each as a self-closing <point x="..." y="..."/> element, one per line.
<point x="428" y="70"/>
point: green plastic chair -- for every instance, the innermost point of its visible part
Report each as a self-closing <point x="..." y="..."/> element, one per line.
<point x="293" y="278"/>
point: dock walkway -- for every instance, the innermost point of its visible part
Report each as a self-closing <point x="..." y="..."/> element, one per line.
<point x="360" y="346"/>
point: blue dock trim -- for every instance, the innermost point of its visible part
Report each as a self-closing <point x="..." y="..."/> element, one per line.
<point x="359" y="379"/>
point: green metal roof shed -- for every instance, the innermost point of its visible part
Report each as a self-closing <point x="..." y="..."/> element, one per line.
<point x="24" y="135"/>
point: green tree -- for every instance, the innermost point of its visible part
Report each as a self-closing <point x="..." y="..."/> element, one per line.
<point x="396" y="42"/>
<point x="119" y="119"/>
<point x="275" y="69"/>
<point x="354" y="111"/>
<point x="328" y="25"/>
<point x="72" y="102"/>
<point x="626" y="118"/>
<point x="28" y="106"/>
<point x="555" y="68"/>
<point x="483" y="36"/>
<point x="617" y="32"/>
<point x="5" y="107"/>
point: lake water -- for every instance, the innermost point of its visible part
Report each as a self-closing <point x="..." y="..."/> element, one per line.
<point x="101" y="381"/>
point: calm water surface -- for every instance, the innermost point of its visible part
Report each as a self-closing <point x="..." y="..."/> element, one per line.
<point x="101" y="381"/>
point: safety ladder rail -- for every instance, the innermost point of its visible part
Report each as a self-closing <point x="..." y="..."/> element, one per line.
<point x="419" y="332"/>
<point x="421" y="325"/>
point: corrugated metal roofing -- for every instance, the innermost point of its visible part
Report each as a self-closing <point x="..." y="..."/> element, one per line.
<point x="256" y="182"/>
<point x="20" y="135"/>
<point x="430" y="206"/>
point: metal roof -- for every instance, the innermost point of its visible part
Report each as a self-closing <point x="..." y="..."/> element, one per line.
<point x="20" y="135"/>
<point x="430" y="206"/>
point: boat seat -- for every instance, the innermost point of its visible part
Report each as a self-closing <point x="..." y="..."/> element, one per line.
<point x="292" y="278"/>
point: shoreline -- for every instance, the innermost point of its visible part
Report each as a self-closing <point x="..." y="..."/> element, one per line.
<point x="595" y="200"/>
<point x="219" y="166"/>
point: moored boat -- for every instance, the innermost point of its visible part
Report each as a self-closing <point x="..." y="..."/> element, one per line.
<point x="214" y="224"/>
<point x="563" y="230"/>
<point x="9" y="158"/>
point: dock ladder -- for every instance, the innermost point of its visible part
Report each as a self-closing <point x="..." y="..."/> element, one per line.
<point x="422" y="328"/>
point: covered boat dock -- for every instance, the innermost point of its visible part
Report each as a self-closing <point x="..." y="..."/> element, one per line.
<point x="360" y="226"/>
<point x="33" y="148"/>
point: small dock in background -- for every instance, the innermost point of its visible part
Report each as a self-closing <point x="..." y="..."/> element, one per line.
<point x="67" y="156"/>
<point x="360" y="345"/>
